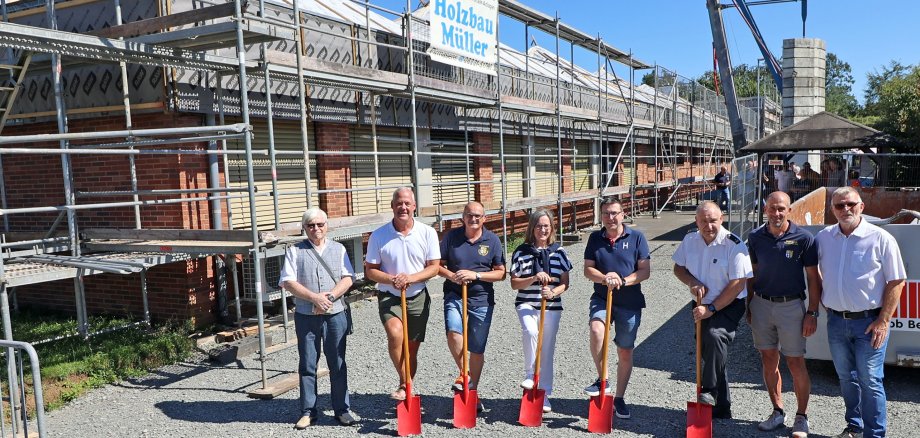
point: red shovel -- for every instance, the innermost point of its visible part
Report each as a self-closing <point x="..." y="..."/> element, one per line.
<point x="600" y="408"/>
<point x="408" y="411"/>
<point x="466" y="401"/>
<point x="532" y="402"/>
<point x="699" y="415"/>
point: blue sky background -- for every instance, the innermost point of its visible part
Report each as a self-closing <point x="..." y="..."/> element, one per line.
<point x="676" y="33"/>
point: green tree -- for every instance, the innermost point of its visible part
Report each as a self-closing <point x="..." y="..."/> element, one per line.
<point x="898" y="108"/>
<point x="877" y="79"/>
<point x="745" y="77"/>
<point x="838" y="88"/>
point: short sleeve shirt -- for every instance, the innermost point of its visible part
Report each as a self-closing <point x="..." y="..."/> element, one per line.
<point x="478" y="256"/>
<point x="780" y="260"/>
<point x="716" y="264"/>
<point x="525" y="265"/>
<point x="721" y="178"/>
<point x="855" y="268"/>
<point x="621" y="256"/>
<point x="396" y="253"/>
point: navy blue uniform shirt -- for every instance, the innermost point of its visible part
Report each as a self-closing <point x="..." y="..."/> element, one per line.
<point x="780" y="260"/>
<point x="621" y="257"/>
<point x="459" y="253"/>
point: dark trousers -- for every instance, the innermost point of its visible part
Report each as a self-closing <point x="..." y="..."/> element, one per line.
<point x="718" y="332"/>
<point x="316" y="333"/>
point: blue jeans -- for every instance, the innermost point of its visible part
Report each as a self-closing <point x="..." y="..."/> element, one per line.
<point x="316" y="333"/>
<point x="723" y="198"/>
<point x="625" y="321"/>
<point x="861" y="371"/>
<point x="479" y="319"/>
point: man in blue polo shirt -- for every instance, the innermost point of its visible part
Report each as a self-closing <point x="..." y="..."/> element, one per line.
<point x="777" y="314"/>
<point x="722" y="180"/>
<point x="619" y="257"/>
<point x="471" y="255"/>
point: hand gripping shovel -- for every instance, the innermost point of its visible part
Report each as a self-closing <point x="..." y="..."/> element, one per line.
<point x="699" y="415"/>
<point x="532" y="402"/>
<point x="600" y="408"/>
<point x="408" y="411"/>
<point x="466" y="401"/>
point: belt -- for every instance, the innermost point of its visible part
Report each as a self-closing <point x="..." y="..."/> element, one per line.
<point x="783" y="298"/>
<point x="871" y="313"/>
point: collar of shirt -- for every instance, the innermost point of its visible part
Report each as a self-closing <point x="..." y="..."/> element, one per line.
<point x="482" y="236"/>
<point x="861" y="230"/>
<point x="765" y="231"/>
<point x="720" y="237"/>
<point x="411" y="230"/>
<point x="621" y="236"/>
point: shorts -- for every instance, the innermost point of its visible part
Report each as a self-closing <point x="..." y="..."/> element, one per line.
<point x="418" y="307"/>
<point x="778" y="325"/>
<point x="625" y="322"/>
<point x="479" y="319"/>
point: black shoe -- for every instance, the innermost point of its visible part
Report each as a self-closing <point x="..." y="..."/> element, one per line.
<point x="722" y="413"/>
<point x="348" y="418"/>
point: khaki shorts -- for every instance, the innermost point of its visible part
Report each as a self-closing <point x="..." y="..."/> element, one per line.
<point x="778" y="325"/>
<point x="418" y="307"/>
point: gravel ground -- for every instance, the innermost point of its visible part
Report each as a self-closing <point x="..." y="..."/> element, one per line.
<point x="197" y="399"/>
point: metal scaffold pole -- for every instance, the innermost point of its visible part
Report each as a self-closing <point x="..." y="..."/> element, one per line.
<point x="561" y="183"/>
<point x="501" y="137"/>
<point x="410" y="65"/>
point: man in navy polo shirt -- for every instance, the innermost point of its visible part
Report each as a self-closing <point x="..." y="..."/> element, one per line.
<point x="471" y="255"/>
<point x="777" y="314"/>
<point x="722" y="180"/>
<point x="619" y="257"/>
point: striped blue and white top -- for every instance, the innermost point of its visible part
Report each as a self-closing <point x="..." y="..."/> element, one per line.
<point x="524" y="264"/>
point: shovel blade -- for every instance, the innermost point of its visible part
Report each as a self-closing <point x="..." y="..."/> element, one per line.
<point x="465" y="409"/>
<point x="532" y="408"/>
<point x="699" y="420"/>
<point x="409" y="416"/>
<point x="600" y="414"/>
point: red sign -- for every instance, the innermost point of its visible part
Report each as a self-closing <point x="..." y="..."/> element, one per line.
<point x="907" y="316"/>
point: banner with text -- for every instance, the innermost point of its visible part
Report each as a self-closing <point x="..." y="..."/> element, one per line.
<point x="907" y="315"/>
<point x="463" y="33"/>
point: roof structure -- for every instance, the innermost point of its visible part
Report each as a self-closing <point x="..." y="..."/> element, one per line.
<point x="822" y="131"/>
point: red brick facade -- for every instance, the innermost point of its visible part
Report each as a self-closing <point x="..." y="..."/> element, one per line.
<point x="334" y="170"/>
<point x="482" y="166"/>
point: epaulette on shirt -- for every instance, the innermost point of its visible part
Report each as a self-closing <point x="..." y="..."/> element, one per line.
<point x="692" y="230"/>
<point x="734" y="238"/>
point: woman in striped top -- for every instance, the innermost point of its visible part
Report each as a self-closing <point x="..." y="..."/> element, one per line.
<point x="539" y="269"/>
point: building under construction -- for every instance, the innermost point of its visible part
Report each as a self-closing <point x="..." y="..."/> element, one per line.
<point x="157" y="155"/>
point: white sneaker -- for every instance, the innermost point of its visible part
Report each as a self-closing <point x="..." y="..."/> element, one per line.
<point x="547" y="408"/>
<point x="800" y="427"/>
<point x="775" y="420"/>
<point x="527" y="384"/>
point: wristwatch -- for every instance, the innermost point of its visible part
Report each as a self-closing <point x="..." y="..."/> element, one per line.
<point x="712" y="308"/>
<point x="478" y="276"/>
<point x="812" y="313"/>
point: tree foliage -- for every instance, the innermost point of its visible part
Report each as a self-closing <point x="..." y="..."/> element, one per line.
<point x="897" y="108"/>
<point x="838" y="88"/>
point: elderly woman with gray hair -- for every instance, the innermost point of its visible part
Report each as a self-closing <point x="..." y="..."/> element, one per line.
<point x="318" y="273"/>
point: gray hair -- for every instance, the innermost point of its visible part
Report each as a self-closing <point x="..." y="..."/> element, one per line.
<point x="845" y="190"/>
<point x="313" y="213"/>
<point x="400" y="189"/>
<point x="706" y="205"/>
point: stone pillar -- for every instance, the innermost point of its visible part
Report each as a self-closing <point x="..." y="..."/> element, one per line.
<point x="804" y="75"/>
<point x="424" y="193"/>
<point x="333" y="171"/>
<point x="482" y="166"/>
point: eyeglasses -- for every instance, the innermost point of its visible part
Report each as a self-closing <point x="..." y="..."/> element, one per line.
<point x="319" y="225"/>
<point x="473" y="216"/>
<point x="841" y="205"/>
<point x="611" y="213"/>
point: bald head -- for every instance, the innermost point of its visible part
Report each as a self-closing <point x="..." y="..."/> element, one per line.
<point x="778" y="196"/>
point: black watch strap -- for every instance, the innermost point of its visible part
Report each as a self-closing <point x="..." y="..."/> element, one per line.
<point x="712" y="308"/>
<point x="814" y="313"/>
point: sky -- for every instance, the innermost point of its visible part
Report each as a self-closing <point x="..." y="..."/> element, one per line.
<point x="676" y="33"/>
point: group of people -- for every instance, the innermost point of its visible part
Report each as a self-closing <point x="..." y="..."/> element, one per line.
<point x="862" y="278"/>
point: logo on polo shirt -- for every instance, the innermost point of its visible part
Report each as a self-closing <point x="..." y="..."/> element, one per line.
<point x="625" y="245"/>
<point x="789" y="254"/>
<point x="791" y="242"/>
<point x="483" y="250"/>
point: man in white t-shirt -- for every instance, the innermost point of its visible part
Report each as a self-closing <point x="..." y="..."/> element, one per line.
<point x="404" y="253"/>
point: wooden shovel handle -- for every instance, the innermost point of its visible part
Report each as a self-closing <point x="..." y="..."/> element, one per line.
<point x="536" y="367"/>
<point x="464" y="364"/>
<point x="604" y="348"/>
<point x="405" y="328"/>
<point x="699" y="346"/>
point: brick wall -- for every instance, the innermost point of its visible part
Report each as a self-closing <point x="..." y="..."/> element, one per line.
<point x="182" y="290"/>
<point x="334" y="170"/>
<point x="482" y="166"/>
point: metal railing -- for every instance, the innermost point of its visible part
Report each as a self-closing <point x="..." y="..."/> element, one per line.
<point x="19" y="390"/>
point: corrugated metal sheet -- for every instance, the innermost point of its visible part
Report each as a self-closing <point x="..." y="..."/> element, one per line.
<point x="450" y="169"/>
<point x="394" y="170"/>
<point x="513" y="167"/>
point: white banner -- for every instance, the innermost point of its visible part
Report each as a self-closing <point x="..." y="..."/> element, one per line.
<point x="463" y="33"/>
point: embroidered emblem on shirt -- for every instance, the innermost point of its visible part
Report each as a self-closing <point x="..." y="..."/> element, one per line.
<point x="483" y="250"/>
<point x="625" y="245"/>
<point x="789" y="254"/>
<point x="790" y="242"/>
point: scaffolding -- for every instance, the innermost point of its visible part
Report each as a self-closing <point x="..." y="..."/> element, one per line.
<point x="541" y="132"/>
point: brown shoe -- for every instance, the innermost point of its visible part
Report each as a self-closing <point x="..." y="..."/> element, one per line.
<point x="305" y="422"/>
<point x="399" y="394"/>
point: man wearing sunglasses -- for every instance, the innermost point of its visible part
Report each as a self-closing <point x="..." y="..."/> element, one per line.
<point x="863" y="275"/>
<point x="317" y="273"/>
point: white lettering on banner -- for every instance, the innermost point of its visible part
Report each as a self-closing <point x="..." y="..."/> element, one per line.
<point x="907" y="316"/>
<point x="463" y="34"/>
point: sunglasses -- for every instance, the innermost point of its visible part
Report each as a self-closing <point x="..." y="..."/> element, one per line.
<point x="841" y="205"/>
<point x="319" y="225"/>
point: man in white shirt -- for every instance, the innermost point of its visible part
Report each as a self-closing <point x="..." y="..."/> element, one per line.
<point x="863" y="276"/>
<point x="404" y="253"/>
<point x="715" y="263"/>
